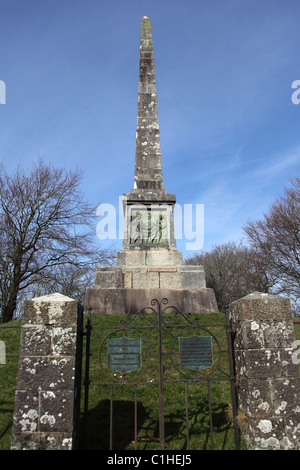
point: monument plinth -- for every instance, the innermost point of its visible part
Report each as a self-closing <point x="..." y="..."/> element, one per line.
<point x="149" y="264"/>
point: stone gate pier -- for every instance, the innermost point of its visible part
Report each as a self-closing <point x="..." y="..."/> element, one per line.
<point x="47" y="399"/>
<point x="268" y="380"/>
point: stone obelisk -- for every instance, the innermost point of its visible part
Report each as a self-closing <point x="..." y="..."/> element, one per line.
<point x="148" y="168"/>
<point x="149" y="229"/>
<point x="149" y="264"/>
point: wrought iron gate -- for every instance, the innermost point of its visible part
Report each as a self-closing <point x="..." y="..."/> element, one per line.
<point x="155" y="346"/>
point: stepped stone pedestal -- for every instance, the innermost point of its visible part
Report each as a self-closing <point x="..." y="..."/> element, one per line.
<point x="122" y="300"/>
<point x="127" y="288"/>
<point x="149" y="264"/>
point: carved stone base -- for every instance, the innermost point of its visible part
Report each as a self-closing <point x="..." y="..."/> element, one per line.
<point x="123" y="301"/>
<point x="157" y="277"/>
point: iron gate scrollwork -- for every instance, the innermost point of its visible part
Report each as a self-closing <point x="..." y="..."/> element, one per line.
<point x="159" y="344"/>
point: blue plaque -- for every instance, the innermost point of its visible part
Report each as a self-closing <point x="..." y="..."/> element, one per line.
<point x="124" y="354"/>
<point x="196" y="352"/>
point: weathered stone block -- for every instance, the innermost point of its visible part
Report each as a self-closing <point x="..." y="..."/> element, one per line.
<point x="128" y="280"/>
<point x="267" y="434"/>
<point x="278" y="334"/>
<point x="163" y="257"/>
<point x="42" y="441"/>
<point x="56" y="411"/>
<point x="193" y="277"/>
<point x="170" y="280"/>
<point x="261" y="306"/>
<point x="35" y="340"/>
<point x="50" y="309"/>
<point x="108" y="277"/>
<point x="266" y="363"/>
<point x="164" y="268"/>
<point x="286" y="392"/>
<point x="292" y="430"/>
<point x="249" y="335"/>
<point x="63" y="340"/>
<point x="131" y="258"/>
<point x="26" y="414"/>
<point x="46" y="372"/>
<point x="256" y="397"/>
<point x="149" y="279"/>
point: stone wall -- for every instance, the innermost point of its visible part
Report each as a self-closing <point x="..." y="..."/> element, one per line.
<point x="47" y="399"/>
<point x="267" y="377"/>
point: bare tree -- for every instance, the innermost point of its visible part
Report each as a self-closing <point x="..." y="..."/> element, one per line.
<point x="277" y="236"/>
<point x="69" y="280"/>
<point x="45" y="224"/>
<point x="233" y="271"/>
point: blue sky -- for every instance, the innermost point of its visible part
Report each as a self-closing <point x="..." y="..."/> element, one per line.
<point x="230" y="134"/>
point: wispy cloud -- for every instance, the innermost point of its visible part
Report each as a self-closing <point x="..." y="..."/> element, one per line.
<point x="285" y="162"/>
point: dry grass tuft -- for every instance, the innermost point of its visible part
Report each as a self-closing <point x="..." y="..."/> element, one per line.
<point x="242" y="419"/>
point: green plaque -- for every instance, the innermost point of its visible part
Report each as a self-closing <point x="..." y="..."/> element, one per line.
<point x="124" y="354"/>
<point x="149" y="227"/>
<point x="196" y="352"/>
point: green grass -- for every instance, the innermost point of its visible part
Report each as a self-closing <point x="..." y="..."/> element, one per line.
<point x="147" y="403"/>
<point x="297" y="330"/>
<point x="8" y="381"/>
